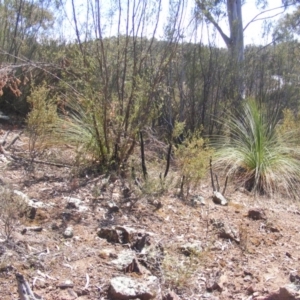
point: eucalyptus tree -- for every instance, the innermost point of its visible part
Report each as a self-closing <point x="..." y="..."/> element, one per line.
<point x="22" y="24"/>
<point x="213" y="11"/>
<point x="288" y="27"/>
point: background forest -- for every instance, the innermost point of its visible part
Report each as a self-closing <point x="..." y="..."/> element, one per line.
<point x="99" y="76"/>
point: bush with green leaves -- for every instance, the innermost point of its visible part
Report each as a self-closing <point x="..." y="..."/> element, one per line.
<point x="192" y="157"/>
<point x="42" y="118"/>
<point x="255" y="153"/>
<point x="289" y="123"/>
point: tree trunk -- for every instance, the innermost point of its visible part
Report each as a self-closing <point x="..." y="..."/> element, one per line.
<point x="236" y="43"/>
<point x="236" y="40"/>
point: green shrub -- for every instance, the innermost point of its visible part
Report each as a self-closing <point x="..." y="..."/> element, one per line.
<point x="42" y="118"/>
<point x="192" y="158"/>
<point x="289" y="124"/>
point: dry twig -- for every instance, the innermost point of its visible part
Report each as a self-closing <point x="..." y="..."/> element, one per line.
<point x="24" y="289"/>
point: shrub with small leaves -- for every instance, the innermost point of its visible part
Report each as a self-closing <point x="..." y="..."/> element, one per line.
<point x="289" y="124"/>
<point x="12" y="207"/>
<point x="42" y="117"/>
<point x="192" y="157"/>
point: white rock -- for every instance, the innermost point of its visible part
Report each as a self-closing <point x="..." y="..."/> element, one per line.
<point x="218" y="198"/>
<point x="68" y="233"/>
<point x="124" y="288"/>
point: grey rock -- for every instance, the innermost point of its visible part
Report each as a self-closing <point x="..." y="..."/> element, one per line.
<point x="191" y="248"/>
<point x="112" y="207"/>
<point x="31" y="202"/>
<point x="218" y="198"/>
<point x="141" y="241"/>
<point x="125" y="288"/>
<point x="68" y="233"/>
<point x="75" y="203"/>
<point x="229" y="232"/>
<point x="197" y="201"/>
<point x="116" y="234"/>
<point x="66" y="284"/>
<point x="121" y="234"/>
<point x="126" y="261"/>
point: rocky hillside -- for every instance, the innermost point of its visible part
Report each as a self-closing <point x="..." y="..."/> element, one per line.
<point x="98" y="237"/>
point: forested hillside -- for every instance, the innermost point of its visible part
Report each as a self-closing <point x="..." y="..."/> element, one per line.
<point x="148" y="151"/>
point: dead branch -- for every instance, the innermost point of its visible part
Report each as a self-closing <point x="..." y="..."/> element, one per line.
<point x="211" y="175"/>
<point x="3" y="141"/>
<point x="143" y="156"/>
<point x="181" y="185"/>
<point x="168" y="161"/>
<point x="87" y="281"/>
<point x="217" y="180"/>
<point x="24" y="289"/>
<point x="223" y="193"/>
<point x="16" y="137"/>
<point x="42" y="162"/>
<point x="20" y="159"/>
<point x="3" y="151"/>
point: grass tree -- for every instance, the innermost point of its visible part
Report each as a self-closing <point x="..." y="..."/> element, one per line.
<point x="256" y="154"/>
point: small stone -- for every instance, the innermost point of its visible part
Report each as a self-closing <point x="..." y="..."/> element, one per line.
<point x="218" y="198"/>
<point x="197" y="201"/>
<point x="229" y="232"/>
<point x="75" y="203"/>
<point x="213" y="286"/>
<point x="191" y="248"/>
<point x="113" y="208"/>
<point x="124" y="259"/>
<point x="171" y="296"/>
<point x="31" y="212"/>
<point x="66" y="284"/>
<point x="250" y="290"/>
<point x="257" y="214"/>
<point x="68" y="233"/>
<point x="54" y="226"/>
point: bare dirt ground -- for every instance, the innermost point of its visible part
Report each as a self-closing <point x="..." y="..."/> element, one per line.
<point x="240" y="256"/>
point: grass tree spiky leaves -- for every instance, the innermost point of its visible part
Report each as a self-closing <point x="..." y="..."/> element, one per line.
<point x="254" y="152"/>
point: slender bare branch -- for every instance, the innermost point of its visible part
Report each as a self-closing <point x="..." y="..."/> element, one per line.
<point x="254" y="19"/>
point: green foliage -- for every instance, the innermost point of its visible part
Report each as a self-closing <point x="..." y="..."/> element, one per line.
<point x="192" y="157"/>
<point x="42" y="117"/>
<point x="178" y="129"/>
<point x="254" y="153"/>
<point x="290" y="123"/>
<point x="22" y="22"/>
<point x="81" y="125"/>
<point x="107" y="105"/>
